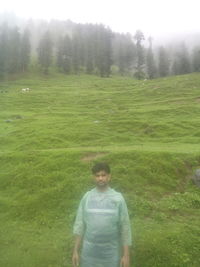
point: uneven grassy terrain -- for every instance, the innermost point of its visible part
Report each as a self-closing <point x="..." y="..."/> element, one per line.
<point x="148" y="131"/>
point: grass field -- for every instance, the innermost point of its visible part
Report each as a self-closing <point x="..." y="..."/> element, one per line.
<point x="148" y="131"/>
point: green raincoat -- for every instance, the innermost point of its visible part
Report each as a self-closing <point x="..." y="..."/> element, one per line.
<point x="103" y="222"/>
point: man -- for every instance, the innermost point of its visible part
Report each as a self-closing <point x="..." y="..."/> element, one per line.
<point x="102" y="227"/>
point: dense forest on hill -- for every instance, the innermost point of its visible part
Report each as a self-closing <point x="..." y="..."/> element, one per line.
<point x="74" y="48"/>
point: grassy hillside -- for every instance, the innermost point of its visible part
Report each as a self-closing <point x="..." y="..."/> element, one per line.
<point x="149" y="132"/>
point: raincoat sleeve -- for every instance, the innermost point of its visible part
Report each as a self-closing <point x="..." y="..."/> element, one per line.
<point x="79" y="225"/>
<point x="125" y="227"/>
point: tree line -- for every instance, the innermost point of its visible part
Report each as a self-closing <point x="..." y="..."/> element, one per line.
<point x="73" y="48"/>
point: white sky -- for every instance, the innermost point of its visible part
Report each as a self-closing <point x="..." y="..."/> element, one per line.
<point x="155" y="17"/>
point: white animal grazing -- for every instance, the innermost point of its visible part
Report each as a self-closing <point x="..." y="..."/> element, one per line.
<point x="25" y="89"/>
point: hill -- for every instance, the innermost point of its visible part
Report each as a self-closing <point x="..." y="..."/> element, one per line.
<point x="52" y="134"/>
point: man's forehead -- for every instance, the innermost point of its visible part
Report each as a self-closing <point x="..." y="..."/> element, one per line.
<point x="101" y="172"/>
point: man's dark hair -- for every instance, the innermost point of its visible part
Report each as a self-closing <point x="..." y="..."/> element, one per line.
<point x="101" y="166"/>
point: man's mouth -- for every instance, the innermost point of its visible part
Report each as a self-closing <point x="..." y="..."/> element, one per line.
<point x="101" y="183"/>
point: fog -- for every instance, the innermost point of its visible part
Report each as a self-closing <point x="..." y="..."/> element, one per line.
<point x="163" y="20"/>
<point x="156" y="31"/>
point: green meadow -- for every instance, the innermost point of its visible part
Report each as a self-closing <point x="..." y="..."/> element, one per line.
<point x="148" y="131"/>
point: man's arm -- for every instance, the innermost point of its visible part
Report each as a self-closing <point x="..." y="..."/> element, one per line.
<point x="75" y="256"/>
<point x="78" y="230"/>
<point x="125" y="234"/>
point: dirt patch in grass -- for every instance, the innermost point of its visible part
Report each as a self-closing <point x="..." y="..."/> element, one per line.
<point x="92" y="156"/>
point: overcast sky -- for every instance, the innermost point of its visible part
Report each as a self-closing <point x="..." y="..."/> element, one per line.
<point x="155" y="17"/>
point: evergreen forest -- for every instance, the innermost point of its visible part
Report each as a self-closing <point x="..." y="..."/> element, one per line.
<point x="73" y="48"/>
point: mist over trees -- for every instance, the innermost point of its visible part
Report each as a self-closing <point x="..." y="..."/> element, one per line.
<point x="72" y="48"/>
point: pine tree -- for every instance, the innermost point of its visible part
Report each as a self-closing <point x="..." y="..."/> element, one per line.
<point x="163" y="62"/>
<point x="25" y="51"/>
<point x="124" y="52"/>
<point x="64" y="54"/>
<point x="121" y="60"/>
<point x="14" y="51"/>
<point x="196" y="59"/>
<point x="67" y="54"/>
<point x="103" y="50"/>
<point x="151" y="66"/>
<point x="45" y="50"/>
<point x="139" y="37"/>
<point x="59" y="53"/>
<point x="181" y="64"/>
<point x="90" y="48"/>
<point x="130" y="53"/>
<point x="4" y="49"/>
<point x="107" y="53"/>
<point x="175" y="67"/>
<point x="76" y="56"/>
<point x="185" y="60"/>
<point x="89" y="59"/>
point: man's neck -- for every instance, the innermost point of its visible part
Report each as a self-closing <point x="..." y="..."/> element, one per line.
<point x="102" y="189"/>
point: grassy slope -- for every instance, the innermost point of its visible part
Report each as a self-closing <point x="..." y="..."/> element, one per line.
<point x="147" y="130"/>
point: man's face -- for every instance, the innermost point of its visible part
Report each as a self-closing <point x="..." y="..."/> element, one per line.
<point x="102" y="179"/>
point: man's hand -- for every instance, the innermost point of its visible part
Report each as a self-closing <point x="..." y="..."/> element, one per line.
<point x="75" y="256"/>
<point x="125" y="261"/>
<point x="75" y="259"/>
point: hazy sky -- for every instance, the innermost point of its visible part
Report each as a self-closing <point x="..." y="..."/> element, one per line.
<point x="153" y="17"/>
